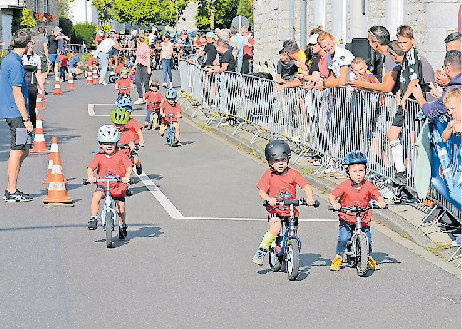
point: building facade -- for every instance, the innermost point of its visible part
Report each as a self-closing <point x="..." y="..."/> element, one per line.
<point x="279" y="20"/>
<point x="10" y="9"/>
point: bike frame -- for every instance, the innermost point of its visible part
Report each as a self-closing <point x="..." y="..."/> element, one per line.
<point x="288" y="232"/>
<point x="108" y="202"/>
<point x="355" y="235"/>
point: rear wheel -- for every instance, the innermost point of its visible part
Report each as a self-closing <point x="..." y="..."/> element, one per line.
<point x="361" y="254"/>
<point x="292" y="259"/>
<point x="109" y="222"/>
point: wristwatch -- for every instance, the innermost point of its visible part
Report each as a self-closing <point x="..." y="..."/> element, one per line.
<point x="25" y="120"/>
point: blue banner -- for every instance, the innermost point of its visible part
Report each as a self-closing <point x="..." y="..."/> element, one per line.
<point x="445" y="162"/>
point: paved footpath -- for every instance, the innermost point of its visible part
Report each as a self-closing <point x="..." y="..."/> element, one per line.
<point x="195" y="221"/>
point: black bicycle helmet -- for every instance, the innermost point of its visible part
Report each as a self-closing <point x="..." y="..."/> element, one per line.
<point x="276" y="149"/>
<point x="355" y="157"/>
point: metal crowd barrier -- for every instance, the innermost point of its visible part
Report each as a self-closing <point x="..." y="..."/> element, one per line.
<point x="329" y="123"/>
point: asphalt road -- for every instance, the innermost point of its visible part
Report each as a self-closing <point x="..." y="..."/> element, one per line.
<point x="187" y="263"/>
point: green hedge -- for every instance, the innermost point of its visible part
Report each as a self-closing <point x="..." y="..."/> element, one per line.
<point x="3" y="53"/>
<point x="85" y="33"/>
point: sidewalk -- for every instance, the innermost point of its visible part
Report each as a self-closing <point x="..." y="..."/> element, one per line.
<point x="402" y="219"/>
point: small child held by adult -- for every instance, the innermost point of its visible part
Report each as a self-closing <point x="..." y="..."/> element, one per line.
<point x="278" y="183"/>
<point x="356" y="191"/>
<point x="452" y="101"/>
<point x="359" y="71"/>
<point x="110" y="161"/>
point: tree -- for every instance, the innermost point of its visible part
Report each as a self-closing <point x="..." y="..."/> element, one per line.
<point x="245" y="8"/>
<point x="104" y="9"/>
<point x="63" y="8"/>
<point x="216" y="13"/>
<point x="147" y="12"/>
<point x="27" y="22"/>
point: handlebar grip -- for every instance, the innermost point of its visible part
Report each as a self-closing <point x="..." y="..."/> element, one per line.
<point x="330" y="208"/>
<point x="316" y="203"/>
<point x="85" y="181"/>
<point x="265" y="203"/>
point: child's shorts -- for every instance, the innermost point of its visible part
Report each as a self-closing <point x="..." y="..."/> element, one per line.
<point x="284" y="220"/>
<point x="165" y="126"/>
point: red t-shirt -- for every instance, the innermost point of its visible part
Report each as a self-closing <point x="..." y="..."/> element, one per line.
<point x="124" y="85"/>
<point x="153" y="99"/>
<point x="369" y="77"/>
<point x="117" y="164"/>
<point x="169" y="109"/>
<point x="351" y="196"/>
<point x="62" y="60"/>
<point x="117" y="70"/>
<point x="281" y="187"/>
<point x="91" y="60"/>
<point x="125" y="137"/>
<point x="134" y="126"/>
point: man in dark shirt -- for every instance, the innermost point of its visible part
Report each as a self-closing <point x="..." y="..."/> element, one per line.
<point x="210" y="50"/>
<point x="51" y="49"/>
<point x="227" y="61"/>
<point x="286" y="72"/>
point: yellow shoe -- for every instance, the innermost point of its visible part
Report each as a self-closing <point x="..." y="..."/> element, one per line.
<point x="336" y="262"/>
<point x="372" y="264"/>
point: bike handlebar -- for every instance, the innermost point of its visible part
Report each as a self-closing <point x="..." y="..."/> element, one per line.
<point x="126" y="147"/>
<point x="112" y="179"/>
<point x="294" y="202"/>
<point x="371" y="205"/>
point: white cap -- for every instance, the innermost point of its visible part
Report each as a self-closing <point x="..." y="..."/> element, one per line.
<point x="313" y="39"/>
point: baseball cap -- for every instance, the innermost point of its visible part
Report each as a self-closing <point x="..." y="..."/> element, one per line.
<point x="313" y="39"/>
<point x="57" y="29"/>
<point x="210" y="35"/>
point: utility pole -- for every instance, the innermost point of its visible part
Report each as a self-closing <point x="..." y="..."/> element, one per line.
<point x="212" y="14"/>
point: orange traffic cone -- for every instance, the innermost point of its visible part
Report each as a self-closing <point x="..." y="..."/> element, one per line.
<point x="57" y="90"/>
<point x="70" y="81"/>
<point x="39" y="102"/>
<point x="39" y="140"/>
<point x="53" y="149"/>
<point x="40" y="91"/>
<point x="89" y="76"/>
<point x="57" y="187"/>
<point x="95" y="75"/>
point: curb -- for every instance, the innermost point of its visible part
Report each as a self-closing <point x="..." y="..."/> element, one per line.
<point x="388" y="218"/>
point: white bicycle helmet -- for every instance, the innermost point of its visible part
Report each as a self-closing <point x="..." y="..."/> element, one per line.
<point x="100" y="33"/>
<point x="108" y="134"/>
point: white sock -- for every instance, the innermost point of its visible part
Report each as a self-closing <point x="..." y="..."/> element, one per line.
<point x="397" y="153"/>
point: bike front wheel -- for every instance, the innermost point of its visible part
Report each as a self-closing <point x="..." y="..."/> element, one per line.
<point x="292" y="259"/>
<point x="154" y="121"/>
<point x="275" y="262"/>
<point x="361" y="254"/>
<point x="109" y="224"/>
<point x="171" y="138"/>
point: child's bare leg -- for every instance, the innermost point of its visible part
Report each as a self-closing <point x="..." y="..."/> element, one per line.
<point x="97" y="196"/>
<point x="161" y="131"/>
<point x="177" y="130"/>
<point x="120" y="208"/>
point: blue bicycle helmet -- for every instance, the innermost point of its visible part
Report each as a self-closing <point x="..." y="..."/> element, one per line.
<point x="170" y="93"/>
<point x="125" y="103"/>
<point x="354" y="157"/>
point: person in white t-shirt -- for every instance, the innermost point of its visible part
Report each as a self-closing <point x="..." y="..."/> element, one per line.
<point x="103" y="54"/>
<point x="341" y="60"/>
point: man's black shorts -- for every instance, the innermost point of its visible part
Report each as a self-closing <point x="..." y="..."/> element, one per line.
<point x="398" y="120"/>
<point x="15" y="123"/>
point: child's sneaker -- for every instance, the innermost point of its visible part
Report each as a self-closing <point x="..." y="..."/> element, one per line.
<point x="259" y="256"/>
<point x="146" y="124"/>
<point x="139" y="169"/>
<point x="372" y="264"/>
<point x="121" y="233"/>
<point x="93" y="223"/>
<point x="336" y="263"/>
<point x="124" y="229"/>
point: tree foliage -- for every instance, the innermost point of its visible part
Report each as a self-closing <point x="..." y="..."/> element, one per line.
<point x="224" y="12"/>
<point x="27" y="22"/>
<point x="245" y="8"/>
<point x="104" y="9"/>
<point x="84" y="33"/>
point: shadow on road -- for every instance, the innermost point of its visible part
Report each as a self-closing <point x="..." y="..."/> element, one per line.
<point x="146" y="231"/>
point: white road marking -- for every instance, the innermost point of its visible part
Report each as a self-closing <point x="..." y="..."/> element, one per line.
<point x="91" y="111"/>
<point x="163" y="200"/>
<point x="174" y="213"/>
